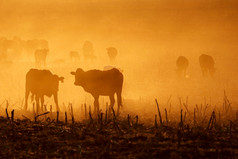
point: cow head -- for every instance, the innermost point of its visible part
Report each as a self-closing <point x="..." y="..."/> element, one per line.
<point x="78" y="76"/>
<point x="54" y="83"/>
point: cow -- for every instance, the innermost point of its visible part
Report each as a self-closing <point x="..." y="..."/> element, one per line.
<point x="31" y="45"/>
<point x="182" y="65"/>
<point x="207" y="64"/>
<point x="40" y="83"/>
<point x="112" y="53"/>
<point x="40" y="57"/>
<point x="74" y="56"/>
<point x="97" y="82"/>
<point x="88" y="51"/>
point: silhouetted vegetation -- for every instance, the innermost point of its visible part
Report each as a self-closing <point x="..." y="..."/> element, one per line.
<point x="197" y="133"/>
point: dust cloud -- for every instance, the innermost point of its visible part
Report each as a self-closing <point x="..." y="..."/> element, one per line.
<point x="149" y="37"/>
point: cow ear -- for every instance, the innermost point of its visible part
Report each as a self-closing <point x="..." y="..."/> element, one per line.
<point x="61" y="79"/>
<point x="73" y="73"/>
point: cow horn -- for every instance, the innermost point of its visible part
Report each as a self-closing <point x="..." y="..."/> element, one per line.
<point x="73" y="73"/>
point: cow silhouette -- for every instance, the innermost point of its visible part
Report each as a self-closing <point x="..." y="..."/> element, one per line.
<point x="74" y="56"/>
<point x="182" y="65"/>
<point x="10" y="49"/>
<point x="97" y="82"/>
<point x="40" y="57"/>
<point x="30" y="46"/>
<point x="112" y="54"/>
<point x="88" y="51"/>
<point x="207" y="64"/>
<point x="41" y="83"/>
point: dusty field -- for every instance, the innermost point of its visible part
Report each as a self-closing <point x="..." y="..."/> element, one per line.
<point x="205" y="135"/>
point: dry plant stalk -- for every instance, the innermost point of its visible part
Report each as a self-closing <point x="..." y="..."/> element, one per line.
<point x="85" y="111"/>
<point x="57" y="118"/>
<point x="66" y="119"/>
<point x="12" y="115"/>
<point x="72" y="113"/>
<point x="156" y="124"/>
<point x="166" y="116"/>
<point x="161" y="123"/>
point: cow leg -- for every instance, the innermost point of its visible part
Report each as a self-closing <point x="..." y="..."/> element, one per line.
<point x="184" y="72"/>
<point x="112" y="101"/>
<point x="96" y="104"/>
<point x="37" y="104"/>
<point x="204" y="72"/>
<point x="42" y="102"/>
<point x="119" y="102"/>
<point x="26" y="99"/>
<point x="56" y="101"/>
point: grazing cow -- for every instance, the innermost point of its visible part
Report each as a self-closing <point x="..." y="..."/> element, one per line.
<point x="207" y="64"/>
<point x="40" y="83"/>
<point x="88" y="51"/>
<point x="112" y="53"/>
<point x="40" y="57"/>
<point x="97" y="83"/>
<point x="74" y="56"/>
<point x="182" y="65"/>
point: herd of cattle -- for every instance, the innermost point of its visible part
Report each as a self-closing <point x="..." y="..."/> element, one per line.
<point x="39" y="48"/>
<point x="15" y="47"/>
<point x="109" y="82"/>
<point x="206" y="63"/>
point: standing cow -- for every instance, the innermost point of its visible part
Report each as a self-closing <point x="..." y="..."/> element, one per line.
<point x="97" y="83"/>
<point x="112" y="53"/>
<point x="182" y="65"/>
<point x="207" y="64"/>
<point x="74" y="56"/>
<point x="40" y="57"/>
<point x="40" y="83"/>
<point x="88" y="51"/>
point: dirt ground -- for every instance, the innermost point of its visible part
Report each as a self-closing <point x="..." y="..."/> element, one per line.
<point x="118" y="137"/>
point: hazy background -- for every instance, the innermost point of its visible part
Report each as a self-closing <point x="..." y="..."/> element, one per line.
<point x="149" y="36"/>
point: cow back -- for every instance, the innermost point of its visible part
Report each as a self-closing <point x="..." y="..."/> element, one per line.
<point x="102" y="82"/>
<point x="42" y="82"/>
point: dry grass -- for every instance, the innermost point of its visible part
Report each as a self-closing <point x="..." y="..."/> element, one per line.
<point x="201" y="132"/>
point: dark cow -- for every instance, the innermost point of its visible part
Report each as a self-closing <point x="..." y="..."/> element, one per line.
<point x="97" y="83"/>
<point x="207" y="64"/>
<point x="40" y="83"/>
<point x="74" y="56"/>
<point x="182" y="65"/>
<point x="88" y="51"/>
<point x="40" y="57"/>
<point x="112" y="53"/>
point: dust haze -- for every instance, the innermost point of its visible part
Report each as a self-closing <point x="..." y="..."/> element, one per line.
<point x="149" y="36"/>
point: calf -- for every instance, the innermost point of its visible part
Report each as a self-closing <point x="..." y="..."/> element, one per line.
<point x="97" y="83"/>
<point x="40" y="83"/>
<point x="182" y="65"/>
<point x="40" y="57"/>
<point x="207" y="64"/>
